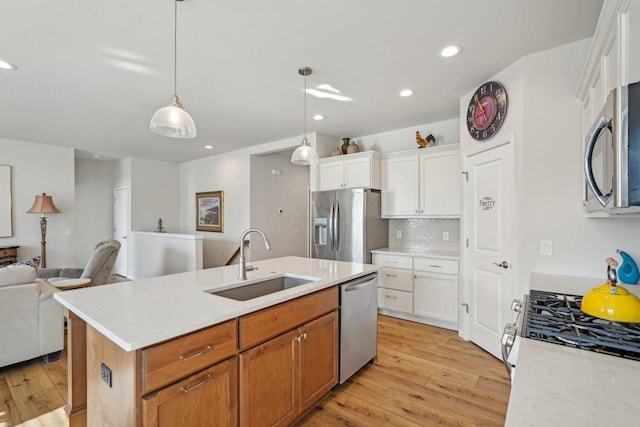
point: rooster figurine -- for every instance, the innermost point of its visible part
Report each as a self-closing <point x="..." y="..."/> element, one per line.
<point x="422" y="142"/>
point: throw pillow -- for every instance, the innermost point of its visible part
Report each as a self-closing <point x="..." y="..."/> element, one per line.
<point x="33" y="262"/>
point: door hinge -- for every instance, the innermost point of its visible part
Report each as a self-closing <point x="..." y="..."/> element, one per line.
<point x="466" y="176"/>
<point x="466" y="307"/>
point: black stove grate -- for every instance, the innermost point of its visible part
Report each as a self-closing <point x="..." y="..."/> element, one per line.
<point x="556" y="318"/>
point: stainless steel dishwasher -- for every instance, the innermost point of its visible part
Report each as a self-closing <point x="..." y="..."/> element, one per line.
<point x="358" y="324"/>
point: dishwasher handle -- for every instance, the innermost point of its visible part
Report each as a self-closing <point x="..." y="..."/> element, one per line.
<point x="360" y="283"/>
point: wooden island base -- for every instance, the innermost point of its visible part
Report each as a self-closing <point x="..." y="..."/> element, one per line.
<point x="266" y="368"/>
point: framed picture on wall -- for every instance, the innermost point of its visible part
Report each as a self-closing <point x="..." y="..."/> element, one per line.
<point x="210" y="211"/>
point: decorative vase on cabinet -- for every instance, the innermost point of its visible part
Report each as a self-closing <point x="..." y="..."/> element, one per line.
<point x="353" y="148"/>
<point x="345" y="145"/>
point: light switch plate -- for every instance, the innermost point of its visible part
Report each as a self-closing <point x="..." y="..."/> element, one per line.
<point x="546" y="247"/>
<point x="398" y="234"/>
<point x="445" y="235"/>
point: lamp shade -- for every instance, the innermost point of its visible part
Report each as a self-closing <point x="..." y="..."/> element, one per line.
<point x="304" y="154"/>
<point x="173" y="121"/>
<point x="43" y="204"/>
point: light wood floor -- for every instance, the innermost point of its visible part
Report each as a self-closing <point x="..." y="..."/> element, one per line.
<point x="423" y="376"/>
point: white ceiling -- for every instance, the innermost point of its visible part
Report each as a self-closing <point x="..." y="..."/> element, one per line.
<point x="91" y="74"/>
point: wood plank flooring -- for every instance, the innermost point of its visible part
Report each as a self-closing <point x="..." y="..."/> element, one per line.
<point x="424" y="376"/>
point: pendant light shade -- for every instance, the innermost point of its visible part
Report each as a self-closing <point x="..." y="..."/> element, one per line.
<point x="172" y="120"/>
<point x="305" y="154"/>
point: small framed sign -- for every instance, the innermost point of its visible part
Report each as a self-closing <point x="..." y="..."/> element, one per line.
<point x="210" y="211"/>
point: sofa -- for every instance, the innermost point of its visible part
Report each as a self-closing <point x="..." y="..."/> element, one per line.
<point x="32" y="321"/>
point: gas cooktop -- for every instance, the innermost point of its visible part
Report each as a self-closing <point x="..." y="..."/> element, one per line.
<point x="556" y="318"/>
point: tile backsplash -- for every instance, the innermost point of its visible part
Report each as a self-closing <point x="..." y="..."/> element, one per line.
<point x="424" y="234"/>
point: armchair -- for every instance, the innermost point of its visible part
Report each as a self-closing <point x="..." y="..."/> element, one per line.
<point x="98" y="269"/>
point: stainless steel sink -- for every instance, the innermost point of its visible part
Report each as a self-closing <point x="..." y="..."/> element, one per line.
<point x="262" y="288"/>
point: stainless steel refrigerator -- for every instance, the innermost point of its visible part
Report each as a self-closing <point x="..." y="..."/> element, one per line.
<point x="346" y="225"/>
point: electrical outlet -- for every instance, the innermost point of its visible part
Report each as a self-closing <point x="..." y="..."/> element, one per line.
<point x="445" y="235"/>
<point x="398" y="234"/>
<point x="546" y="247"/>
<point x="105" y="373"/>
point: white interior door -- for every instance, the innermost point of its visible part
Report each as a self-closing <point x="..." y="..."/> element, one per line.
<point x="488" y="252"/>
<point x="121" y="229"/>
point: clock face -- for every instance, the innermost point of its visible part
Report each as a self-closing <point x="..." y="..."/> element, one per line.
<point x="487" y="111"/>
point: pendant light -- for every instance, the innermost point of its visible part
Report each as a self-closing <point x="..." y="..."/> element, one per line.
<point x="304" y="154"/>
<point x="172" y="120"/>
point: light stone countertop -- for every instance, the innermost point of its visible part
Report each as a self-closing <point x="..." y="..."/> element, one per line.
<point x="556" y="385"/>
<point x="561" y="385"/>
<point x="433" y="253"/>
<point x="143" y="312"/>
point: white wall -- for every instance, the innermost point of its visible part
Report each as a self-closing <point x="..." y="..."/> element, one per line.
<point x="229" y="172"/>
<point x="93" y="209"/>
<point x="288" y="191"/>
<point x="155" y="189"/>
<point x="545" y="118"/>
<point x="445" y="132"/>
<point x="37" y="169"/>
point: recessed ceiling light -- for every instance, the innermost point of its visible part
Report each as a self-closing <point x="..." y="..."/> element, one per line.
<point x="406" y="92"/>
<point x="449" y="51"/>
<point x="209" y="147"/>
<point x="318" y="117"/>
<point x="4" y="65"/>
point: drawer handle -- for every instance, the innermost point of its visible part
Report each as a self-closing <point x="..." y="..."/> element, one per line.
<point x="207" y="349"/>
<point x="435" y="266"/>
<point x="391" y="262"/>
<point x="391" y="275"/>
<point x="200" y="384"/>
<point x="391" y="296"/>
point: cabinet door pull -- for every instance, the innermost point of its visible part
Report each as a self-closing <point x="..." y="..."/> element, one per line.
<point x="207" y="349"/>
<point x="304" y="336"/>
<point x="391" y="296"/>
<point x="390" y="275"/>
<point x="200" y="384"/>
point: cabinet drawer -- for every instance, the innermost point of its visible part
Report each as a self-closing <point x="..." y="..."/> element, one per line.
<point x="435" y="265"/>
<point x="393" y="261"/>
<point x="395" y="300"/>
<point x="401" y="280"/>
<point x="168" y="362"/>
<point x="264" y="324"/>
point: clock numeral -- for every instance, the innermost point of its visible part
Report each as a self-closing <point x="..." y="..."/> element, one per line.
<point x="493" y="128"/>
<point x="483" y="90"/>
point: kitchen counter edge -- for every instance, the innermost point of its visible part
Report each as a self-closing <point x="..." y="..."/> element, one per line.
<point x="141" y="313"/>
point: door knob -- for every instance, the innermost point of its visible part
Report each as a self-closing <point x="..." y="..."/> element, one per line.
<point x="503" y="264"/>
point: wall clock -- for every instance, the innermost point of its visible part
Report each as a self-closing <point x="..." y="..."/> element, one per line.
<point x="487" y="111"/>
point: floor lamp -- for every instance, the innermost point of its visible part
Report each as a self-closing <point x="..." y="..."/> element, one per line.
<point x="43" y="205"/>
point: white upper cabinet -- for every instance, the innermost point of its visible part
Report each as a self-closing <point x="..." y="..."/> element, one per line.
<point x="400" y="185"/>
<point x="613" y="59"/>
<point x="359" y="170"/>
<point x="441" y="179"/>
<point x="422" y="183"/>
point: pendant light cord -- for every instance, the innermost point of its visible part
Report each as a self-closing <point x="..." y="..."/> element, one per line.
<point x="175" y="48"/>
<point x="305" y="107"/>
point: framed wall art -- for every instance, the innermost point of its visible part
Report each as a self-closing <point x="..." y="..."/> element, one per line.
<point x="210" y="211"/>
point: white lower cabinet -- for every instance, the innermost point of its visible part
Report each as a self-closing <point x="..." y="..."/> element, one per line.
<point x="423" y="289"/>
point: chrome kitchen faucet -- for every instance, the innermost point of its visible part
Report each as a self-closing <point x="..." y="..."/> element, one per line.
<point x="242" y="274"/>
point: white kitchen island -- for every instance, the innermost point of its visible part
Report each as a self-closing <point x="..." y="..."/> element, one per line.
<point x="132" y="320"/>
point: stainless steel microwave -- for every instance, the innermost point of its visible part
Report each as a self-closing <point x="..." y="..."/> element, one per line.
<point x="612" y="155"/>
